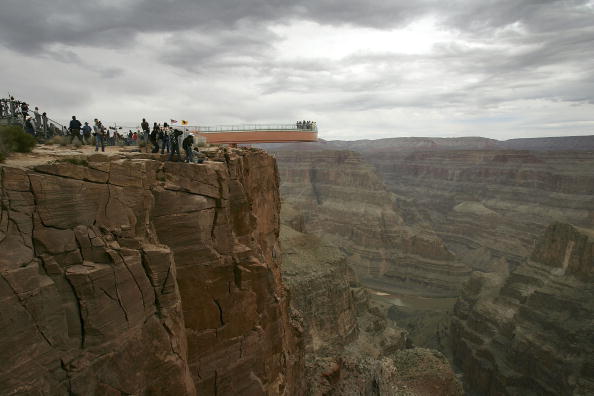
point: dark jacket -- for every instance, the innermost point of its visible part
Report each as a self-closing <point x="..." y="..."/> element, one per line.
<point x="29" y="128"/>
<point x="75" y="124"/>
<point x="187" y="142"/>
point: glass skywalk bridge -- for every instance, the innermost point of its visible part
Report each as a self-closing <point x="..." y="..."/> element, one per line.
<point x="255" y="133"/>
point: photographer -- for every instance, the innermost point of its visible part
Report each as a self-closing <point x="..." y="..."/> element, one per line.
<point x="174" y="143"/>
<point x="187" y="144"/>
<point x="99" y="135"/>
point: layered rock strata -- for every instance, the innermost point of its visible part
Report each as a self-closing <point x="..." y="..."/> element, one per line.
<point x="338" y="196"/>
<point x="531" y="333"/>
<point x="125" y="274"/>
<point x="350" y="346"/>
<point x="490" y="206"/>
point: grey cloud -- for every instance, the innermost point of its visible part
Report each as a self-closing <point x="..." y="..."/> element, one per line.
<point x="208" y="38"/>
<point x="29" y="26"/>
<point x="201" y="51"/>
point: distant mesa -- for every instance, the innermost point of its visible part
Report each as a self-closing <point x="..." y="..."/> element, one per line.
<point x="562" y="143"/>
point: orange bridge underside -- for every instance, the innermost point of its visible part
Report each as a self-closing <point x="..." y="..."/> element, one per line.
<point x="258" y="137"/>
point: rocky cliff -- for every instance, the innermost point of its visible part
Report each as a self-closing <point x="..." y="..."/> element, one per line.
<point x="531" y="333"/>
<point x="124" y="274"/>
<point x="350" y="346"/>
<point x="490" y="206"/>
<point x="338" y="196"/>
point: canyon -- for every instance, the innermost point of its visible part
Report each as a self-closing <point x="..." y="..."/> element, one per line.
<point x="338" y="195"/>
<point x="491" y="206"/>
<point x="487" y="200"/>
<point x="351" y="347"/>
<point x="334" y="268"/>
<point x="531" y="332"/>
<point x="123" y="274"/>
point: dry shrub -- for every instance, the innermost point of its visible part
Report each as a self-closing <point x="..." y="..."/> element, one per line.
<point x="61" y="140"/>
<point x="14" y="139"/>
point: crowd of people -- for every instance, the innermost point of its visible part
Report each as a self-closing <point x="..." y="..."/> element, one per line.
<point x="311" y="125"/>
<point x="167" y="139"/>
<point x="34" y="124"/>
<point x="162" y="138"/>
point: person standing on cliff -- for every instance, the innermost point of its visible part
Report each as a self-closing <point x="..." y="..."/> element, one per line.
<point x="13" y="106"/>
<point x="44" y="122"/>
<point x="154" y="137"/>
<point x="165" y="138"/>
<point x="86" y="133"/>
<point x="99" y="135"/>
<point x="174" y="143"/>
<point x="24" y="111"/>
<point x="187" y="145"/>
<point x="37" y="118"/>
<point x="29" y="127"/>
<point x="74" y="129"/>
<point x="146" y="130"/>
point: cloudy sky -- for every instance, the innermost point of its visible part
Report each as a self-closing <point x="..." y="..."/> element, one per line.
<point x="361" y="69"/>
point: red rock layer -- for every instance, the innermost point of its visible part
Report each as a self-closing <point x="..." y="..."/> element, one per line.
<point x="128" y="275"/>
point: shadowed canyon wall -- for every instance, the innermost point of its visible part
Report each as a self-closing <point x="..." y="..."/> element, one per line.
<point x="524" y="325"/>
<point x="350" y="346"/>
<point x="492" y="205"/>
<point x="124" y="274"/>
<point x="531" y="333"/>
<point x="337" y="195"/>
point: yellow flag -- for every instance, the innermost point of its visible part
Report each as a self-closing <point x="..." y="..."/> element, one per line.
<point x="184" y="122"/>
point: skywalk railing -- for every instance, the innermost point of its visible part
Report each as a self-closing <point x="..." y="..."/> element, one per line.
<point x="58" y="128"/>
<point x="17" y="115"/>
<point x="251" y="128"/>
<point x="229" y="128"/>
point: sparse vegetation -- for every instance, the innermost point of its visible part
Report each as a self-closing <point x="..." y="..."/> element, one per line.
<point x="14" y="139"/>
<point x="61" y="140"/>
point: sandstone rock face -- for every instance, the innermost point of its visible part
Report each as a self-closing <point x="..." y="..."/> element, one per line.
<point x="350" y="346"/>
<point x="492" y="205"/>
<point x="337" y="195"/>
<point x="123" y="274"/>
<point x="531" y="333"/>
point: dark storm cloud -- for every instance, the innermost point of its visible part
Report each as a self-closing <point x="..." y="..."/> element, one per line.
<point x="538" y="15"/>
<point x="29" y="26"/>
<point x="34" y="26"/>
<point x="198" y="51"/>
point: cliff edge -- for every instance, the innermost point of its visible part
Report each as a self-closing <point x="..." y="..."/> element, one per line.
<point x="125" y="274"/>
